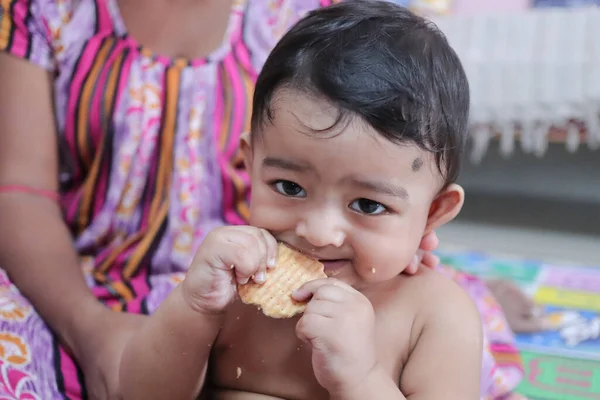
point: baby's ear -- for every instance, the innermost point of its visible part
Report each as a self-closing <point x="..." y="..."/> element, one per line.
<point x="246" y="147"/>
<point x="445" y="207"/>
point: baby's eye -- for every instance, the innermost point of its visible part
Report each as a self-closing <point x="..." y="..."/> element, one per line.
<point x="289" y="188"/>
<point x="366" y="206"/>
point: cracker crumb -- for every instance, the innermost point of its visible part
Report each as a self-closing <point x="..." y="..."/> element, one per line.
<point x="373" y="270"/>
<point x="238" y="373"/>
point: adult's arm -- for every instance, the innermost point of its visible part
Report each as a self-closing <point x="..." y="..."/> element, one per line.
<point x="36" y="249"/>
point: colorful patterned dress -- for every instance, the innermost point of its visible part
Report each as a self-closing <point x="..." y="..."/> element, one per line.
<point x="149" y="162"/>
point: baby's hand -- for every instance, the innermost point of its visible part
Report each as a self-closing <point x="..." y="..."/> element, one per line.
<point x="339" y="324"/>
<point x="227" y="256"/>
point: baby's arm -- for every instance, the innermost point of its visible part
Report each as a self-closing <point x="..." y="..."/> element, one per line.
<point x="446" y="360"/>
<point x="168" y="358"/>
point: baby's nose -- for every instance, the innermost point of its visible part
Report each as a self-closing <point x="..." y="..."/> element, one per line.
<point x="322" y="230"/>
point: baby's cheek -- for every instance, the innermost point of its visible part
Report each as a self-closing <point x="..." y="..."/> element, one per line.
<point x="387" y="256"/>
<point x="268" y="214"/>
<point x="270" y="219"/>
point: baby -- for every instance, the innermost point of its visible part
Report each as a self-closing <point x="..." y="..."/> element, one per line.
<point x="358" y="126"/>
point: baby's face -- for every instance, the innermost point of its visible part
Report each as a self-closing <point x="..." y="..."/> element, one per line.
<point x="348" y="197"/>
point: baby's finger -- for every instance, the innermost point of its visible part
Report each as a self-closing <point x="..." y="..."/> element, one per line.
<point x="271" y="248"/>
<point x="228" y="248"/>
<point x="259" y="276"/>
<point x="324" y="308"/>
<point x="243" y="252"/>
<point x="332" y="293"/>
<point x="311" y="326"/>
<point x="259" y="245"/>
<point x="307" y="290"/>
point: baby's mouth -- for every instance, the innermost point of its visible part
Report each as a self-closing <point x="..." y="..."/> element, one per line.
<point x="332" y="266"/>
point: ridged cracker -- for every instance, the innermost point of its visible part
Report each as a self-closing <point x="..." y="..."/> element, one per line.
<point x="274" y="297"/>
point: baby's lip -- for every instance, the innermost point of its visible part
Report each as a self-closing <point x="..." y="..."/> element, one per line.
<point x="310" y="254"/>
<point x="315" y="254"/>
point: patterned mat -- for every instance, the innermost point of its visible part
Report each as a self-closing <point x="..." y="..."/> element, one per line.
<point x="564" y="363"/>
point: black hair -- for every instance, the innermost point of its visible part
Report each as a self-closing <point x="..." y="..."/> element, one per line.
<point x="380" y="62"/>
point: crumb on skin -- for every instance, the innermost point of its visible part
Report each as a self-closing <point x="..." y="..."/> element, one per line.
<point x="238" y="372"/>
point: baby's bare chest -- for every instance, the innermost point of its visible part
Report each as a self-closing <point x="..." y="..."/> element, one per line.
<point x="262" y="355"/>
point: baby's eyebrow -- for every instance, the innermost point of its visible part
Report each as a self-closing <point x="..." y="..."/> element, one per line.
<point x="274" y="162"/>
<point x="385" y="188"/>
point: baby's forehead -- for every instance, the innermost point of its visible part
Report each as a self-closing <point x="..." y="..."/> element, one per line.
<point x="307" y="126"/>
<point x="308" y="111"/>
<point x="352" y="152"/>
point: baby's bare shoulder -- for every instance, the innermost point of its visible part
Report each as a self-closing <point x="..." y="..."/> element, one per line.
<point x="427" y="302"/>
<point x="430" y="296"/>
<point x="428" y="285"/>
<point x="438" y="293"/>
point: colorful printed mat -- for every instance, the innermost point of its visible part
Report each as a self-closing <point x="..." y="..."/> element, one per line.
<point x="564" y="363"/>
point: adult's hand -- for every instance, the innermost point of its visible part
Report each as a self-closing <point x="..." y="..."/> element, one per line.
<point x="425" y="254"/>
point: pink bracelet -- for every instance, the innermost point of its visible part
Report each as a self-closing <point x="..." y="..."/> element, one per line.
<point x="48" y="194"/>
